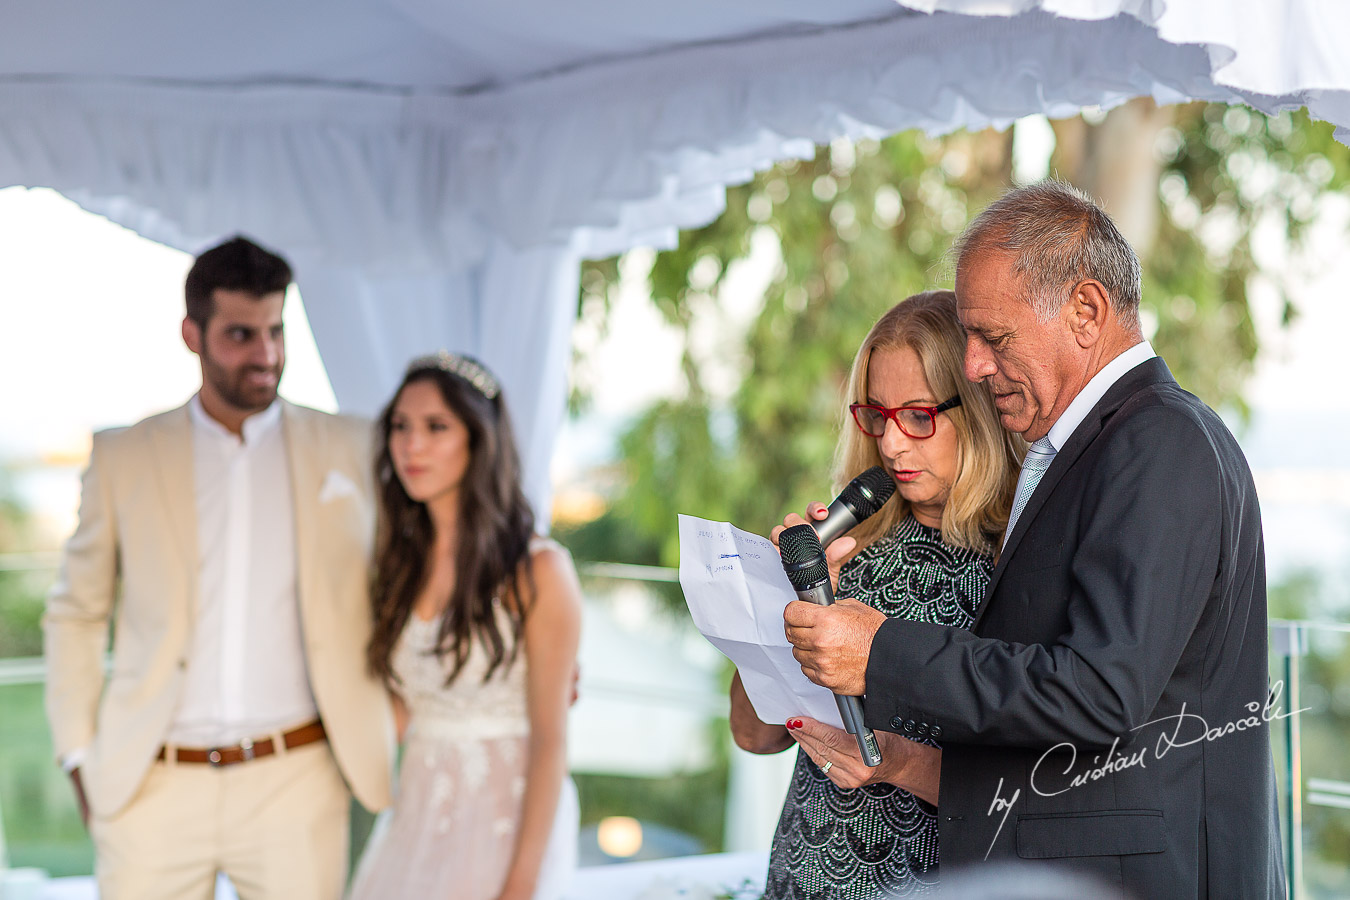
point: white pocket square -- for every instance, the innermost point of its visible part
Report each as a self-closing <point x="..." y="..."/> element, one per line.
<point x="336" y="486"/>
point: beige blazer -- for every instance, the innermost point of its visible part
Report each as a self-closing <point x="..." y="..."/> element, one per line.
<point x="132" y="563"/>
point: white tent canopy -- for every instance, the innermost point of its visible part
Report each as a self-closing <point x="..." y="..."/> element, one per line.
<point x="436" y="169"/>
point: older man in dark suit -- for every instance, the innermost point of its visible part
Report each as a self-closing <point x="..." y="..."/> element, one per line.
<point x="1108" y="711"/>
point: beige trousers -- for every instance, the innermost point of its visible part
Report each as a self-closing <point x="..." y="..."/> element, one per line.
<point x="277" y="826"/>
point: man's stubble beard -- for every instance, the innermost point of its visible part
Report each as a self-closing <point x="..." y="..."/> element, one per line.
<point x="233" y="391"/>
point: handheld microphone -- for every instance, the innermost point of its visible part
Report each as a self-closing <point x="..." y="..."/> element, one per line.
<point x="859" y="499"/>
<point x="804" y="563"/>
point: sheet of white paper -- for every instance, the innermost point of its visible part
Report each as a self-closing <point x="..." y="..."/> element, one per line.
<point x="736" y="589"/>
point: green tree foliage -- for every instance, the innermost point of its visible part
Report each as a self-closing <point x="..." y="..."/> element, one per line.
<point x="861" y="226"/>
<point x="1228" y="173"/>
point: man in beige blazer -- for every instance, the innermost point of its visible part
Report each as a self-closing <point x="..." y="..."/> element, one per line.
<point x="227" y="544"/>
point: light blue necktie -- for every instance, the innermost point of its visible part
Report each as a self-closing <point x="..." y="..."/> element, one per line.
<point x="1039" y="457"/>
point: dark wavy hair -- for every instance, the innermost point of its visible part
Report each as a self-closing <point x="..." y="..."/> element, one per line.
<point x="492" y="558"/>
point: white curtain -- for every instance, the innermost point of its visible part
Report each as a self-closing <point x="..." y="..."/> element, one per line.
<point x="513" y="311"/>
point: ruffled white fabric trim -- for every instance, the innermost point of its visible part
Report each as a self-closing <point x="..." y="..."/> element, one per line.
<point x="1272" y="55"/>
<point x="624" y="152"/>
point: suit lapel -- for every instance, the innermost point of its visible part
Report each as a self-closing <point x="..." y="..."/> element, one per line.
<point x="1152" y="371"/>
<point x="171" y="451"/>
<point x="171" y="454"/>
<point x="300" y="457"/>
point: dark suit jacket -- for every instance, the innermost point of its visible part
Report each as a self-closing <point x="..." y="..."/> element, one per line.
<point x="1131" y="591"/>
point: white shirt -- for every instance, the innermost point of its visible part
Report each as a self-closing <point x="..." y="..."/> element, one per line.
<point x="1094" y="390"/>
<point x="246" y="675"/>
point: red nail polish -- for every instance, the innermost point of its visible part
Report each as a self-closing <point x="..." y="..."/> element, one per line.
<point x="794" y="723"/>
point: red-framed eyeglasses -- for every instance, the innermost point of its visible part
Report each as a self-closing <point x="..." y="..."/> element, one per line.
<point x="919" y="422"/>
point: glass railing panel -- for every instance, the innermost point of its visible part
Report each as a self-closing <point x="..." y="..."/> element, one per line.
<point x="648" y="746"/>
<point x="41" y="826"/>
<point x="649" y="742"/>
<point x="1312" y="755"/>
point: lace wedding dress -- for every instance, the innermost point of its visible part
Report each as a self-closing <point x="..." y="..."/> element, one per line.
<point x="452" y="830"/>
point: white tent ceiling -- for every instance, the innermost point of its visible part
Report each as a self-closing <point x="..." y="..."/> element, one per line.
<point x="435" y="169"/>
<point x="445" y="47"/>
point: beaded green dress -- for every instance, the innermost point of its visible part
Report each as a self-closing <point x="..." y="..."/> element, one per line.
<point x="877" y="841"/>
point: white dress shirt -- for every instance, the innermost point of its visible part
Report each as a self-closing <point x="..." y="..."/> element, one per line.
<point x="1094" y="390"/>
<point x="246" y="674"/>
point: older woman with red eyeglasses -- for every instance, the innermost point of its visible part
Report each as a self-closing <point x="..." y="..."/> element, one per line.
<point x="848" y="831"/>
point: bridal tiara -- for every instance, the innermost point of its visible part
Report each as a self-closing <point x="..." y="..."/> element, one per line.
<point x="465" y="367"/>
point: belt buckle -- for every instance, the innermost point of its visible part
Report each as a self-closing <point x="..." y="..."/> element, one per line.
<point x="246" y="749"/>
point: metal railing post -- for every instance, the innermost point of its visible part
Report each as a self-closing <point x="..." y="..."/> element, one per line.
<point x="1291" y="642"/>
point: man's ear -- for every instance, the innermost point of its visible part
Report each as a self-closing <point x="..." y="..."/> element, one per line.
<point x="192" y="335"/>
<point x="1089" y="311"/>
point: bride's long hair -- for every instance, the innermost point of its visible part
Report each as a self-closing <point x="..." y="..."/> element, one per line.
<point x="492" y="557"/>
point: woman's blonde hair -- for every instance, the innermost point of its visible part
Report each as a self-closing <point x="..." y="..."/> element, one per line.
<point x="988" y="457"/>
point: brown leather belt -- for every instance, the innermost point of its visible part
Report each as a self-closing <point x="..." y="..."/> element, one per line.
<point x="243" y="752"/>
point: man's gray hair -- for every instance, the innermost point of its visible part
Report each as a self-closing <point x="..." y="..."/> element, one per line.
<point x="1058" y="237"/>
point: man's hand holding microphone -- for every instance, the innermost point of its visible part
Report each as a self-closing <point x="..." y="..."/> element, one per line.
<point x="833" y="639"/>
<point x="832" y="642"/>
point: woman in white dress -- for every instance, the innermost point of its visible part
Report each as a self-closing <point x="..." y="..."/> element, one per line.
<point x="476" y="625"/>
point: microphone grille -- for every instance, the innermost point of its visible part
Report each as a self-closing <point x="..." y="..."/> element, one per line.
<point x="868" y="492"/>
<point x="803" y="557"/>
